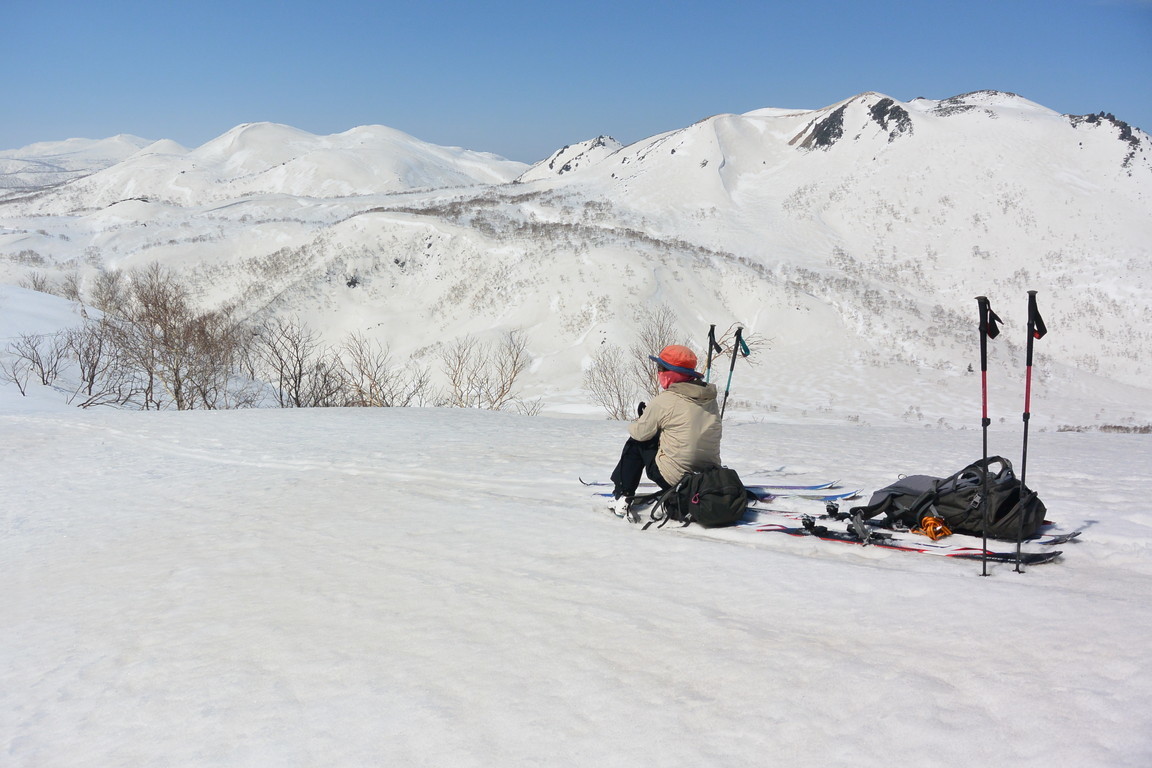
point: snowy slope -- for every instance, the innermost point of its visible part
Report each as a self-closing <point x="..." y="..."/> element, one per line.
<point x="898" y="215"/>
<point x="569" y="158"/>
<point x="48" y="163"/>
<point x="851" y="240"/>
<point x="433" y="587"/>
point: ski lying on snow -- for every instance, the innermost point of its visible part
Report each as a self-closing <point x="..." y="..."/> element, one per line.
<point x="768" y="494"/>
<point x="862" y="534"/>
<point x="752" y="486"/>
<point x="1046" y="539"/>
<point x="889" y="541"/>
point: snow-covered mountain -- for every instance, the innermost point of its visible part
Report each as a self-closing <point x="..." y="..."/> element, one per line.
<point x="48" y="163"/>
<point x="851" y="240"/>
<point x="571" y="157"/>
<point x="271" y="159"/>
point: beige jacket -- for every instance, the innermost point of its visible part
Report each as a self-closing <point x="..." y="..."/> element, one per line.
<point x="687" y="419"/>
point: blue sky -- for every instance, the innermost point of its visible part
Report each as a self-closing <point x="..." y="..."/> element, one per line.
<point x="523" y="79"/>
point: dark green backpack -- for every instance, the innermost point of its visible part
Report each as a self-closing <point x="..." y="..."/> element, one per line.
<point x="711" y="498"/>
<point x="1013" y="510"/>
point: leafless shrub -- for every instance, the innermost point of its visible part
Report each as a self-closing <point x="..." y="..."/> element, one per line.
<point x="609" y="384"/>
<point x="656" y="330"/>
<point x="727" y="342"/>
<point x="182" y="357"/>
<point x="103" y="379"/>
<point x="484" y="375"/>
<point x="28" y="256"/>
<point x="304" y="372"/>
<point x="43" y="353"/>
<point x="110" y="291"/>
<point x="1123" y="429"/>
<point x="372" y="380"/>
<point x="218" y="340"/>
<point x="37" y="281"/>
<point x="16" y="370"/>
<point x="70" y="285"/>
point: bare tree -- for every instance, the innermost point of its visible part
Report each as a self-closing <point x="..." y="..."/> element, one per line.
<point x="657" y="329"/>
<point x="110" y="291"/>
<point x="727" y="341"/>
<point x="37" y="281"/>
<point x="511" y="360"/>
<point x="16" y="370"/>
<point x="103" y="378"/>
<point x="218" y="342"/>
<point x="183" y="357"/>
<point x="44" y="354"/>
<point x="304" y="372"/>
<point x="459" y="363"/>
<point x="372" y="380"/>
<point x="608" y="382"/>
<point x="150" y="337"/>
<point x="485" y="375"/>
<point x="70" y="285"/>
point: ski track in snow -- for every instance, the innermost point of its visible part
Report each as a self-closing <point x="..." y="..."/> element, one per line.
<point x="435" y="587"/>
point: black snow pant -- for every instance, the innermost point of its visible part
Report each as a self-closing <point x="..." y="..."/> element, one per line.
<point x="637" y="458"/>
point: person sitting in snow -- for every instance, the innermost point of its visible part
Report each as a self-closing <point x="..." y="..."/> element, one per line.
<point x="677" y="433"/>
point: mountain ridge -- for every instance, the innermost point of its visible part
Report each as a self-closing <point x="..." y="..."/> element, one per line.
<point x="861" y="250"/>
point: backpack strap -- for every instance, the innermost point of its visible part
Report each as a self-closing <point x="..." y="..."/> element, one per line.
<point x="985" y="465"/>
<point x="973" y="474"/>
<point x="662" y="505"/>
<point x="677" y="502"/>
<point x="892" y="514"/>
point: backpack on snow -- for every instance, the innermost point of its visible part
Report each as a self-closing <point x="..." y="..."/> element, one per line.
<point x="711" y="498"/>
<point x="1013" y="510"/>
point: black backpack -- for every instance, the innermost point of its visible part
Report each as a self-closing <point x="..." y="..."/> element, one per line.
<point x="1013" y="510"/>
<point x="711" y="498"/>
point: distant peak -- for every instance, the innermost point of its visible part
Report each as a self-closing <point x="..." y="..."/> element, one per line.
<point x="986" y="94"/>
<point x="987" y="101"/>
<point x="573" y="156"/>
<point x="881" y="110"/>
<point x="1126" y="133"/>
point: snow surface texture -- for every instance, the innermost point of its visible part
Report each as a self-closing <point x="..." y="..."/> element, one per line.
<point x="851" y="240"/>
<point x="434" y="587"/>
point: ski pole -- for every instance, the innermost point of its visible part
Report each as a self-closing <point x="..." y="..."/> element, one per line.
<point x="738" y="345"/>
<point x="712" y="347"/>
<point x="988" y="330"/>
<point x="1036" y="330"/>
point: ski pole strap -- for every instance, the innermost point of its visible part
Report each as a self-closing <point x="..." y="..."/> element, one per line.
<point x="1036" y="326"/>
<point x="988" y="318"/>
<point x="735" y="348"/>
<point x="712" y="347"/>
<point x="988" y="330"/>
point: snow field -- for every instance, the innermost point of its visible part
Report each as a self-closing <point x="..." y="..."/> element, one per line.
<point x="433" y="587"/>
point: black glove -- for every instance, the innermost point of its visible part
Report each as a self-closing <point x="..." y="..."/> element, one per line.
<point x="640" y="408"/>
